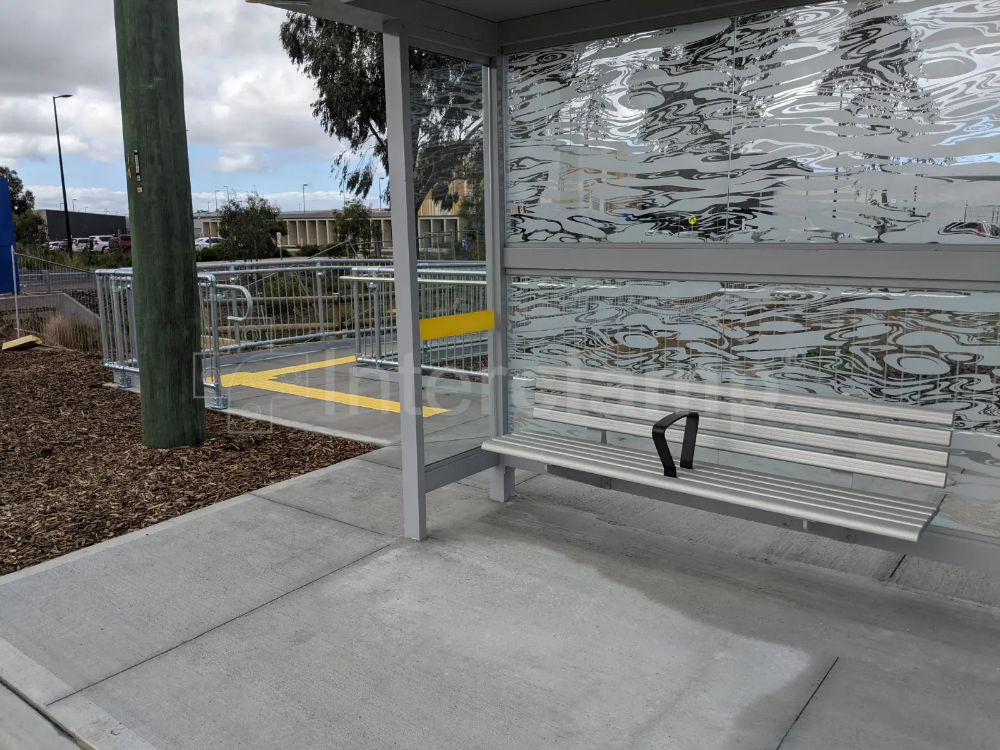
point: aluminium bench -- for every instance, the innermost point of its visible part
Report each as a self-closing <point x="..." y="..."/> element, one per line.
<point x="849" y="437"/>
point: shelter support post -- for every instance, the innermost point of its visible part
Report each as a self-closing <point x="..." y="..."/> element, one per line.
<point x="501" y="477"/>
<point x="404" y="259"/>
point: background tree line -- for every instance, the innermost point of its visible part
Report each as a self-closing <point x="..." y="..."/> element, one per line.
<point x="345" y="64"/>
<point x="29" y="227"/>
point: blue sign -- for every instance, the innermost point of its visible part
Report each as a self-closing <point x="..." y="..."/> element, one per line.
<point x="8" y="271"/>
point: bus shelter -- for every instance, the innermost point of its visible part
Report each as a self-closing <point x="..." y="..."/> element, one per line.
<point x="798" y="197"/>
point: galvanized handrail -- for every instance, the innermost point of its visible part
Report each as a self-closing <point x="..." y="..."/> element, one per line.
<point x="442" y="291"/>
<point x="291" y="301"/>
<point x="246" y="293"/>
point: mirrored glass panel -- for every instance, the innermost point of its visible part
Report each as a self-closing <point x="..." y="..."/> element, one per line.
<point x="842" y="123"/>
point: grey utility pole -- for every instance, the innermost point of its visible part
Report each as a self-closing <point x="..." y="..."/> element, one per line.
<point x="62" y="173"/>
<point x="165" y="284"/>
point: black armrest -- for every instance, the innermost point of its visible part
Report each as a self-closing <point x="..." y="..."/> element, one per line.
<point x="687" y="447"/>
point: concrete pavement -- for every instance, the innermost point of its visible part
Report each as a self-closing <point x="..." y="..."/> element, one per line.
<point x="575" y="617"/>
<point x="21" y="726"/>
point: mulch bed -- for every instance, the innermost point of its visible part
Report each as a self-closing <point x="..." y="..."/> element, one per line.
<point x="74" y="472"/>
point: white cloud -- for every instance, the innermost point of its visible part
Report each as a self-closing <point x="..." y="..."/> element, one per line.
<point x="241" y="91"/>
<point x="320" y="200"/>
<point x="240" y="162"/>
<point x="95" y="200"/>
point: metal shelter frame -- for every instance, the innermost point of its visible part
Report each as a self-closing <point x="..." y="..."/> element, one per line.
<point x="485" y="31"/>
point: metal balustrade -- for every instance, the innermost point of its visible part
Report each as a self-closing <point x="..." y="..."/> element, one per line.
<point x="460" y="288"/>
<point x="251" y="306"/>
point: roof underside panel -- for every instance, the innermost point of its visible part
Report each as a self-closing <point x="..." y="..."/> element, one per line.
<point x="511" y="9"/>
<point x="486" y="26"/>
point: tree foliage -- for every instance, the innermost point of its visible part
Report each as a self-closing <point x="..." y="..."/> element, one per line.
<point x="29" y="227"/>
<point x="249" y="227"/>
<point x="345" y="63"/>
<point x="353" y="225"/>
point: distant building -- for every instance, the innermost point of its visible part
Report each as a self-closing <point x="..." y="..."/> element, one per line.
<point x="199" y="229"/>
<point x="81" y="224"/>
<point x="436" y="226"/>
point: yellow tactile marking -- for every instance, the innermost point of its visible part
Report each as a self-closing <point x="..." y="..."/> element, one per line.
<point x="267" y="380"/>
<point x="456" y="325"/>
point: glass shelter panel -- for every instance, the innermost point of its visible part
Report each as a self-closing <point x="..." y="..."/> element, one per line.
<point x="922" y="347"/>
<point x="447" y="120"/>
<point x="446" y="115"/>
<point x="843" y="122"/>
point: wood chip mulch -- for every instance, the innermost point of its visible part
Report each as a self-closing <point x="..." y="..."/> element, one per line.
<point x="74" y="472"/>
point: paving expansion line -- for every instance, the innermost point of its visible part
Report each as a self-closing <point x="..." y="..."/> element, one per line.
<point x="227" y="622"/>
<point x="806" y="704"/>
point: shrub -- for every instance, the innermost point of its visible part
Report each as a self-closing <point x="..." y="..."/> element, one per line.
<point x="59" y="330"/>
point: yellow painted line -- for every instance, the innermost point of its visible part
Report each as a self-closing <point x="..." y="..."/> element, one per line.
<point x="239" y="378"/>
<point x="311" y="366"/>
<point x="348" y="399"/>
<point x="267" y="380"/>
<point x="456" y="325"/>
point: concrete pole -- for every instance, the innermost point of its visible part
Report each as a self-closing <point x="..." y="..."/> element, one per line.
<point x="167" y="305"/>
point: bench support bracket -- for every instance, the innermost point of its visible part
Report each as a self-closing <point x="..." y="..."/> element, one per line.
<point x="687" y="447"/>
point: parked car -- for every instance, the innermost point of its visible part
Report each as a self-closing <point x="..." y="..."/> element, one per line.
<point x="83" y="243"/>
<point x="57" y="245"/>
<point x="202" y="242"/>
<point x="120" y="243"/>
<point x="102" y="242"/>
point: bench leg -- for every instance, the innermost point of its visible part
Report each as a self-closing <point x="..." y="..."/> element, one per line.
<point x="501" y="483"/>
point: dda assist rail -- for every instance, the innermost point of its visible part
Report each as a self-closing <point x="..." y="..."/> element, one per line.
<point x="119" y="338"/>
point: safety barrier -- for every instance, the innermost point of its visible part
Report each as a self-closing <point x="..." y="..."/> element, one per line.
<point x="56" y="302"/>
<point x="257" y="305"/>
<point x="443" y="292"/>
<point x="119" y="342"/>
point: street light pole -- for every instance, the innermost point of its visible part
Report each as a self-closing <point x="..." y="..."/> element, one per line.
<point x="304" y="186"/>
<point x="62" y="173"/>
<point x="216" y="201"/>
<point x="380" y="193"/>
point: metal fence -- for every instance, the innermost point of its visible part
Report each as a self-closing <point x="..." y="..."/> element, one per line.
<point x="56" y="302"/>
<point x="259" y="305"/>
<point x="119" y="342"/>
<point x="460" y="288"/>
<point x="40" y="276"/>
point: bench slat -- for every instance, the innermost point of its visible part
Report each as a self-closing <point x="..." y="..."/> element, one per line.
<point x="793" y="502"/>
<point x="908" y="433"/>
<point x="595" y="458"/>
<point x="941" y="417"/>
<point x="747" y="430"/>
<point x="765" y="450"/>
<point x="865" y="508"/>
<point x="742" y="477"/>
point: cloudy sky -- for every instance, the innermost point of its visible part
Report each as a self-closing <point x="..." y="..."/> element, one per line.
<point x="248" y="108"/>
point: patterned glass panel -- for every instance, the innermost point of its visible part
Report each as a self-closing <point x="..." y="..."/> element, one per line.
<point x="618" y="138"/>
<point x="891" y="345"/>
<point x="844" y="122"/>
